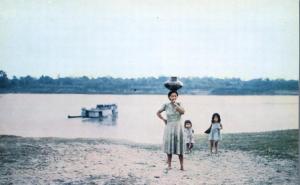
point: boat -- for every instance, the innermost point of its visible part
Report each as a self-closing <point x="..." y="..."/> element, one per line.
<point x="101" y="111"/>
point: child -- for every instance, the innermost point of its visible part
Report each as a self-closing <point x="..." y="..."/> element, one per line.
<point x="188" y="135"/>
<point x="215" y="135"/>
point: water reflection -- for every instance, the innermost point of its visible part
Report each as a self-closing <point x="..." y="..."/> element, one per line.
<point x="107" y="121"/>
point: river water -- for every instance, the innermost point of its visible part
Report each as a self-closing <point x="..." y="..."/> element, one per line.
<point x="45" y="115"/>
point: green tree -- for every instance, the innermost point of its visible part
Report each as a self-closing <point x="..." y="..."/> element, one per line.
<point x="4" y="81"/>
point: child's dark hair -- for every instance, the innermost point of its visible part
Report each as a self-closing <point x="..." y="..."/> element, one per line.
<point x="169" y="94"/>
<point x="186" y="122"/>
<point x="219" y="118"/>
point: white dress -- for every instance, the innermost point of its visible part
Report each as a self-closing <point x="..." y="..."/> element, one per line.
<point x="215" y="133"/>
<point x="188" y="135"/>
<point x="173" y="141"/>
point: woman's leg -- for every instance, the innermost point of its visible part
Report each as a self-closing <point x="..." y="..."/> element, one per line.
<point x="181" y="161"/>
<point x="169" y="160"/>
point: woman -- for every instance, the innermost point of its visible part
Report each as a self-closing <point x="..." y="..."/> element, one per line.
<point x="173" y="134"/>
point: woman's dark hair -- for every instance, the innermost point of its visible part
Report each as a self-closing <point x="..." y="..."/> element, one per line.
<point x="186" y="122"/>
<point x="169" y="94"/>
<point x="219" y="118"/>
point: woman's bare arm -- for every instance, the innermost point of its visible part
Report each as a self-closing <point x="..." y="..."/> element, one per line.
<point x="160" y="116"/>
<point x="179" y="108"/>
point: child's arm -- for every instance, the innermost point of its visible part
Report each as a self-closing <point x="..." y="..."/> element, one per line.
<point x="221" y="126"/>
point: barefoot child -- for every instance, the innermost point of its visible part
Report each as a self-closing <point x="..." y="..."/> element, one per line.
<point x="188" y="135"/>
<point x="215" y="134"/>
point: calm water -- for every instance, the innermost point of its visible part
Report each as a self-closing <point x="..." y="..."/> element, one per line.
<point x="45" y="115"/>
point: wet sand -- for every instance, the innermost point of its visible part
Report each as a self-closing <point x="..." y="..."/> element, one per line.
<point x="101" y="161"/>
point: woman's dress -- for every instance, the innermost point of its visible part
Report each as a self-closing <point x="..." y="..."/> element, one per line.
<point x="173" y="141"/>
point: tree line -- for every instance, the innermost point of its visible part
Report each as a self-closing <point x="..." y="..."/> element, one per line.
<point x="146" y="85"/>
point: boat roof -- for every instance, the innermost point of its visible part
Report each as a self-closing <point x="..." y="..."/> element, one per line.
<point x="106" y="106"/>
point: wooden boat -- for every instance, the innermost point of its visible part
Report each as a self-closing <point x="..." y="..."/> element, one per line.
<point x="101" y="111"/>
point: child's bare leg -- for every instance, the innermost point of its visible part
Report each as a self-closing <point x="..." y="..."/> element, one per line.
<point x="187" y="147"/>
<point x="169" y="160"/>
<point x="181" y="161"/>
<point x="191" y="146"/>
<point x="211" y="142"/>
<point x="216" y="145"/>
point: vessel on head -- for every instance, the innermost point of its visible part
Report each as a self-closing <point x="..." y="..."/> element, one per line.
<point x="173" y="84"/>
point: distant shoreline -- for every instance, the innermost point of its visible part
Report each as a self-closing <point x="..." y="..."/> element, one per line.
<point x="192" y="94"/>
<point x="147" y="85"/>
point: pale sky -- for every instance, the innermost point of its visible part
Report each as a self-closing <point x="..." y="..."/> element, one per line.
<point x="141" y="38"/>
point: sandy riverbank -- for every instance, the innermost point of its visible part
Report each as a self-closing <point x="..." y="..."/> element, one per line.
<point x="98" y="161"/>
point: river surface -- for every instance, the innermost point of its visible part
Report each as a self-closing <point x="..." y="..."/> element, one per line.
<point x="45" y="115"/>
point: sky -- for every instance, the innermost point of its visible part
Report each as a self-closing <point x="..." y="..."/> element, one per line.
<point x="246" y="39"/>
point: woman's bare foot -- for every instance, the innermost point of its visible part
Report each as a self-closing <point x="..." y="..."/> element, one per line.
<point x="181" y="168"/>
